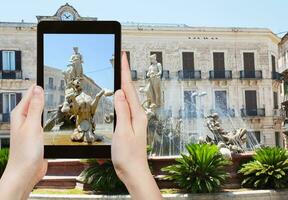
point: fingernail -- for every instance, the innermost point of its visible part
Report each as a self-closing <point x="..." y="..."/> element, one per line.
<point x="121" y="95"/>
<point x="37" y="90"/>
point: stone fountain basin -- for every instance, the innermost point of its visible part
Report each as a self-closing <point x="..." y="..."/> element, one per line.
<point x="233" y="182"/>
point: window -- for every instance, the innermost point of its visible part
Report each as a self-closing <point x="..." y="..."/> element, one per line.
<point x="251" y="102"/>
<point x="9" y="102"/>
<point x="275" y="100"/>
<point x="50" y="83"/>
<point x="61" y="84"/>
<point x="158" y="56"/>
<point x="277" y="139"/>
<point x="128" y="57"/>
<point x="218" y="61"/>
<point x="50" y="99"/>
<point x="254" y="138"/>
<point x="249" y="61"/>
<point x="273" y="62"/>
<point x="221" y="102"/>
<point x="4" y="143"/>
<point x="8" y="60"/>
<point x="62" y="98"/>
<point x="189" y="104"/>
<point x="188" y="60"/>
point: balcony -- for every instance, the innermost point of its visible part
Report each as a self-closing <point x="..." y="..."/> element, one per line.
<point x="165" y="75"/>
<point x="277" y="76"/>
<point x="257" y="112"/>
<point x="61" y="88"/>
<point x="225" y="74"/>
<point x="228" y="112"/>
<point x="5" y="117"/>
<point x="187" y="114"/>
<point x="50" y="87"/>
<point x="256" y="74"/>
<point x="16" y="74"/>
<point x="134" y="75"/>
<point x="189" y="75"/>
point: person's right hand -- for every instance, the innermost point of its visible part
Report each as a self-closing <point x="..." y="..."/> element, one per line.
<point x="129" y="143"/>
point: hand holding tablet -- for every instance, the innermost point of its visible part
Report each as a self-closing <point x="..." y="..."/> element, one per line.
<point x="79" y="69"/>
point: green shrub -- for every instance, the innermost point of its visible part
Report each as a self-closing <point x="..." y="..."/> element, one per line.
<point x="102" y="178"/>
<point x="3" y="160"/>
<point x="202" y="170"/>
<point x="269" y="169"/>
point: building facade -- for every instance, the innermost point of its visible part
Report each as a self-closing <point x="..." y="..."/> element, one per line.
<point x="236" y="68"/>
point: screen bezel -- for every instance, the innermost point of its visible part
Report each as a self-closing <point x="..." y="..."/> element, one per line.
<point x="79" y="27"/>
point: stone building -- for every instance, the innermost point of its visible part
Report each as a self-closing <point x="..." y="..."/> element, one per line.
<point x="283" y="63"/>
<point x="235" y="68"/>
<point x="233" y="71"/>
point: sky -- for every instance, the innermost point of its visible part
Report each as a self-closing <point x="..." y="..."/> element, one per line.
<point x="271" y="14"/>
<point x="96" y="50"/>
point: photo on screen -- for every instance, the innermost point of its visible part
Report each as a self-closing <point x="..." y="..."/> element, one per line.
<point x="79" y="86"/>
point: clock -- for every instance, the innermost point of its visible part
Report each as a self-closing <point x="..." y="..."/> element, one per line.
<point x="67" y="16"/>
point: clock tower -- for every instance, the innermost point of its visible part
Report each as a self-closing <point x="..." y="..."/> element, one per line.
<point x="66" y="13"/>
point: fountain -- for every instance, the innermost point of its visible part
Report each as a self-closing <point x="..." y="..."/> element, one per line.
<point x="168" y="133"/>
<point x="77" y="111"/>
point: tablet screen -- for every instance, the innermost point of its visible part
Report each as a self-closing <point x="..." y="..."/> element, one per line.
<point x="78" y="82"/>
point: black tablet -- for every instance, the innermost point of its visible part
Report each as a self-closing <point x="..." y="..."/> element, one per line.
<point x="78" y="66"/>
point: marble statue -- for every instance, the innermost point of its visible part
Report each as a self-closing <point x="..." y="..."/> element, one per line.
<point x="153" y="87"/>
<point x="74" y="70"/>
<point x="78" y="105"/>
<point x="232" y="140"/>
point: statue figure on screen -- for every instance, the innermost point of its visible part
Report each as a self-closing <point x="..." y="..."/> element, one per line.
<point x="74" y="70"/>
<point x="79" y="108"/>
<point x="153" y="87"/>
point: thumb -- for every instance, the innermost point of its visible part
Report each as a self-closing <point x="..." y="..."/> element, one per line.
<point x="36" y="105"/>
<point x="122" y="112"/>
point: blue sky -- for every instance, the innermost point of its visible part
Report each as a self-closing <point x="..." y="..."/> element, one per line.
<point x="96" y="49"/>
<point x="246" y="13"/>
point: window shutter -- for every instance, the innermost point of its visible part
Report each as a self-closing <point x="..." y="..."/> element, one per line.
<point x="1" y="61"/>
<point x="218" y="60"/>
<point x="128" y="57"/>
<point x="273" y="63"/>
<point x="158" y="56"/>
<point x="18" y="97"/>
<point x="1" y="103"/>
<point x="18" y="60"/>
<point x="188" y="60"/>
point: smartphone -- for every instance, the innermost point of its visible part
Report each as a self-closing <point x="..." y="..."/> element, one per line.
<point x="78" y="66"/>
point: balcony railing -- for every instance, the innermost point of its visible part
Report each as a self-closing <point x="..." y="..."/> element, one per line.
<point x="5" y="117"/>
<point x="61" y="88"/>
<point x="166" y="75"/>
<point x="16" y="74"/>
<point x="225" y="74"/>
<point x="260" y="112"/>
<point x="134" y="75"/>
<point x="256" y="74"/>
<point x="50" y="87"/>
<point x="228" y="112"/>
<point x="276" y="76"/>
<point x="189" y="74"/>
<point x="187" y="114"/>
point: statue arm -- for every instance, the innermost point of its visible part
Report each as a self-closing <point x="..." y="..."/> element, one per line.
<point x="159" y="69"/>
<point x="96" y="100"/>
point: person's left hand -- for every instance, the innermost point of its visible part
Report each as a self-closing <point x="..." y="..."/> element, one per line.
<point x="26" y="165"/>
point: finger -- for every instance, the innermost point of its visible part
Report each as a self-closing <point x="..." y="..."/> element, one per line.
<point x="123" y="113"/>
<point x="36" y="106"/>
<point x="128" y="88"/>
<point x="19" y="113"/>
